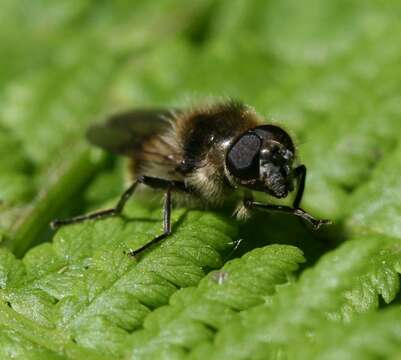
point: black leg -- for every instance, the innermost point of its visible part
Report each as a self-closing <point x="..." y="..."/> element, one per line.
<point x="236" y="244"/>
<point x="55" y="224"/>
<point x="166" y="225"/>
<point x="152" y="182"/>
<point x="299" y="172"/>
<point x="316" y="223"/>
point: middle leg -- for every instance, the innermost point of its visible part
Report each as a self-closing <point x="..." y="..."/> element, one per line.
<point x="166" y="225"/>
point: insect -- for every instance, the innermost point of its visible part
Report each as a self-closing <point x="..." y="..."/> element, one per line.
<point x="207" y="153"/>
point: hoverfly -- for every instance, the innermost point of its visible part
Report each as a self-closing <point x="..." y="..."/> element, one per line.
<point x="207" y="153"/>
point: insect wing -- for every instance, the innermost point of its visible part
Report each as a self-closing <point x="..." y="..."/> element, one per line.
<point x="123" y="133"/>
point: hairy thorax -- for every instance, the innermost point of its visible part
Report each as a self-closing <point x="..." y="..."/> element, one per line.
<point x="193" y="148"/>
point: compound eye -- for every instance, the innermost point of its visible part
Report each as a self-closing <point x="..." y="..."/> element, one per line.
<point x="243" y="157"/>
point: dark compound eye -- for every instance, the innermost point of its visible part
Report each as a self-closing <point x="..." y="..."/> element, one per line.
<point x="243" y="157"/>
<point x="272" y="132"/>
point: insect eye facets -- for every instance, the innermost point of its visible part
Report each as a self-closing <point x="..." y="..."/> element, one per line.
<point x="243" y="157"/>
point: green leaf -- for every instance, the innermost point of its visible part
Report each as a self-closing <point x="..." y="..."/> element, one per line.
<point x="379" y="211"/>
<point x="194" y="315"/>
<point x="375" y="335"/>
<point x="84" y="289"/>
<point x="327" y="72"/>
<point x="344" y="283"/>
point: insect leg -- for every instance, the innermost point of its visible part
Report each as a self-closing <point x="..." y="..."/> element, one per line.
<point x="117" y="210"/>
<point x="299" y="172"/>
<point x="166" y="224"/>
<point x="316" y="223"/>
<point x="55" y="224"/>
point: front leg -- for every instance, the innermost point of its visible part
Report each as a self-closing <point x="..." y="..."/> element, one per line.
<point x="316" y="223"/>
<point x="299" y="173"/>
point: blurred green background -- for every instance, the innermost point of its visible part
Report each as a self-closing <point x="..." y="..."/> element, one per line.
<point x="328" y="71"/>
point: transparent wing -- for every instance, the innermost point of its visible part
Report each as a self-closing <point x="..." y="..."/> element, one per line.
<point x="124" y="133"/>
